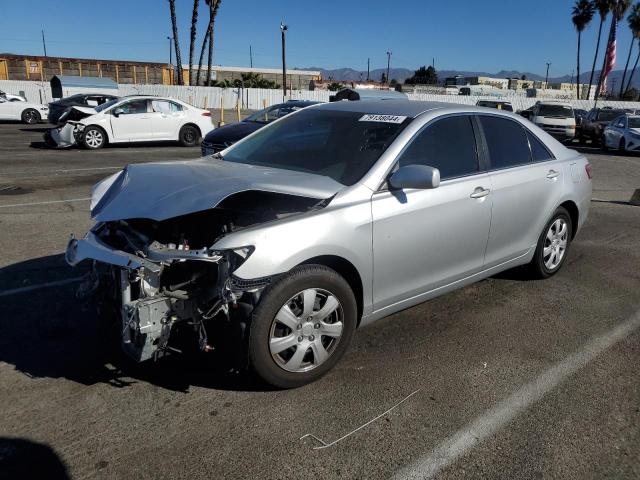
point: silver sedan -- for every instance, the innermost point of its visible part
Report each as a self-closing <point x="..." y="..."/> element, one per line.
<point x="326" y="220"/>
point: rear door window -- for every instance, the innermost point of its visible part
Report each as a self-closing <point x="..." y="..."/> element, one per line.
<point x="539" y="153"/>
<point x="448" y="144"/>
<point x="507" y="142"/>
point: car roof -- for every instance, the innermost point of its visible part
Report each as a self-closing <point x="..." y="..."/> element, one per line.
<point x="405" y="108"/>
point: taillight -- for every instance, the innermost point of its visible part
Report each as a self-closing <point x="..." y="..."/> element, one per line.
<point x="206" y="114"/>
<point x="587" y="168"/>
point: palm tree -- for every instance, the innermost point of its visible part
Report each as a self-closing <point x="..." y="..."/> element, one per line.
<point x="634" y="25"/>
<point x="192" y="43"/>
<point x="176" y="42"/>
<point x="581" y="15"/>
<point x="204" y="45"/>
<point x="213" y="11"/>
<point x="603" y="7"/>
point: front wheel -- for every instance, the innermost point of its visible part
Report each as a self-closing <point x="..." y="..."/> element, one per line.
<point x="622" y="147"/>
<point x="603" y="144"/>
<point x="93" y="138"/>
<point x="189" y="136"/>
<point x="302" y="326"/>
<point x="30" y="116"/>
<point x="553" y="245"/>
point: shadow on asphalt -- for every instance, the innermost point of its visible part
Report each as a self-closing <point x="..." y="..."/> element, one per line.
<point x="124" y="146"/>
<point x="49" y="333"/>
<point x="20" y="458"/>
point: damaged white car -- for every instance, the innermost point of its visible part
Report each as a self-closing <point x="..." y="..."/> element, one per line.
<point x="329" y="218"/>
<point x="136" y="118"/>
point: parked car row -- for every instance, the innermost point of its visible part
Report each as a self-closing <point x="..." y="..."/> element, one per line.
<point x="22" y="111"/>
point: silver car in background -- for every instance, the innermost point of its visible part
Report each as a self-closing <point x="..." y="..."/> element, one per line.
<point x="328" y="219"/>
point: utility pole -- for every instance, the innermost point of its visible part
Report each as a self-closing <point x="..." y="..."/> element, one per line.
<point x="433" y="62"/>
<point x="546" y="79"/>
<point x="44" y="44"/>
<point x="250" y="57"/>
<point x="283" y="29"/>
<point x="388" y="64"/>
<point x="170" y="50"/>
<point x="368" y="67"/>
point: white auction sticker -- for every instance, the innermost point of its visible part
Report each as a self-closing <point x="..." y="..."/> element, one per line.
<point x="382" y="118"/>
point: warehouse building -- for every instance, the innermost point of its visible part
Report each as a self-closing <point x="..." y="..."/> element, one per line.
<point x="33" y="67"/>
<point x="296" y="79"/>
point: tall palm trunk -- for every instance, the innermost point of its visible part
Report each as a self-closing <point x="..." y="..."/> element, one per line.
<point x="633" y="70"/>
<point x="192" y="43"/>
<point x="204" y="45"/>
<point x="176" y="42"/>
<point x="595" y="58"/>
<point x="626" y="66"/>
<point x="578" y="67"/>
<point x="213" y="11"/>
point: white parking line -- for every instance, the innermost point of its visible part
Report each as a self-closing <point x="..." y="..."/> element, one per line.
<point x="30" y="288"/>
<point x="504" y="412"/>
<point x="46" y="203"/>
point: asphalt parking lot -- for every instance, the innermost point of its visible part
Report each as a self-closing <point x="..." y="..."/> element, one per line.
<point x="507" y="378"/>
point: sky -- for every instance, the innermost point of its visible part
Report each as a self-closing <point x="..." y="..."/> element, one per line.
<point x="472" y="35"/>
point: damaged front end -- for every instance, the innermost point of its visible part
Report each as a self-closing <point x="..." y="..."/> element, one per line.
<point x="69" y="129"/>
<point x="165" y="277"/>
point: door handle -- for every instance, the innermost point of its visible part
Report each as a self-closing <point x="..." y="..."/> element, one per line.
<point x="480" y="192"/>
<point x="552" y="174"/>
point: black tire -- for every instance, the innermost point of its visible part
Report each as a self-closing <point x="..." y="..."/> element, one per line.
<point x="622" y="147"/>
<point x="49" y="140"/>
<point x="603" y="145"/>
<point x="537" y="268"/>
<point x="189" y="136"/>
<point x="31" y="116"/>
<point x="93" y="138"/>
<point x="263" y="319"/>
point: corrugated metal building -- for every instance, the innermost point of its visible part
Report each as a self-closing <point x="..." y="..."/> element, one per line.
<point x="33" y="67"/>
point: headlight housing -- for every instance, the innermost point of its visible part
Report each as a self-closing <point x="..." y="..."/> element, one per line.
<point x="240" y="255"/>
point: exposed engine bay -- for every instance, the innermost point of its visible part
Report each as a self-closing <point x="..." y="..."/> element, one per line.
<point x="163" y="276"/>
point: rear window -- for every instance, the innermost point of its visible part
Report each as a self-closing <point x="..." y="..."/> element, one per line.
<point x="555" y="111"/>
<point x="608" y="115"/>
<point x="507" y="142"/>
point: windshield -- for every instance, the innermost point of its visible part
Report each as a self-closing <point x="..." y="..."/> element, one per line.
<point x="608" y="115"/>
<point x="106" y="105"/>
<point x="557" y="111"/>
<point x="336" y="144"/>
<point x="634" y="122"/>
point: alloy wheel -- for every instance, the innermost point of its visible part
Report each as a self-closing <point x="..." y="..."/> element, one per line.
<point x="93" y="138"/>
<point x="555" y="244"/>
<point x="306" y="330"/>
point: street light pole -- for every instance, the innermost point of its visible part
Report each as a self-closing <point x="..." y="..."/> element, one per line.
<point x="170" y="60"/>
<point x="388" y="63"/>
<point x="283" y="29"/>
<point x="546" y="79"/>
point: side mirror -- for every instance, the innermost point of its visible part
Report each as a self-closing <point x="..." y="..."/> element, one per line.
<point x="415" y="176"/>
<point x="117" y="112"/>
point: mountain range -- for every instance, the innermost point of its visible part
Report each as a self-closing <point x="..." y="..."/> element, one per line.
<point x="401" y="74"/>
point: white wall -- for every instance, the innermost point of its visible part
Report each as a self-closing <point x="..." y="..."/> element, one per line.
<point x="255" y="98"/>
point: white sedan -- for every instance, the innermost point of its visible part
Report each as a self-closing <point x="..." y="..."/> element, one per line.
<point x="138" y="118"/>
<point x="622" y="133"/>
<point x="26" y="112"/>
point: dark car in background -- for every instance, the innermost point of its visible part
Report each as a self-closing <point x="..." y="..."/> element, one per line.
<point x="57" y="108"/>
<point x="592" y="126"/>
<point x="500" y="105"/>
<point x="225" y="136"/>
<point x="579" y="114"/>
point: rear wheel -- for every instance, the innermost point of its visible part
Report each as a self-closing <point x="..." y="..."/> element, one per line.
<point x="189" y="136"/>
<point x="93" y="138"/>
<point x="30" y="116"/>
<point x="603" y="144"/>
<point x="553" y="245"/>
<point x="302" y="326"/>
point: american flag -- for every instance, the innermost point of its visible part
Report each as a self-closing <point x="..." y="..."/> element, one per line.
<point x="610" y="56"/>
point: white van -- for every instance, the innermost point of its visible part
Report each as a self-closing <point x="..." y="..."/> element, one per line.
<point x="556" y="118"/>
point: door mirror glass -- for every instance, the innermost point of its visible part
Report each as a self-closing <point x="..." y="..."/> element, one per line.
<point x="415" y="176"/>
<point x="118" y="111"/>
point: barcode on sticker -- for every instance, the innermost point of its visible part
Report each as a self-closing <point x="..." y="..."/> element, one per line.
<point x="382" y="118"/>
